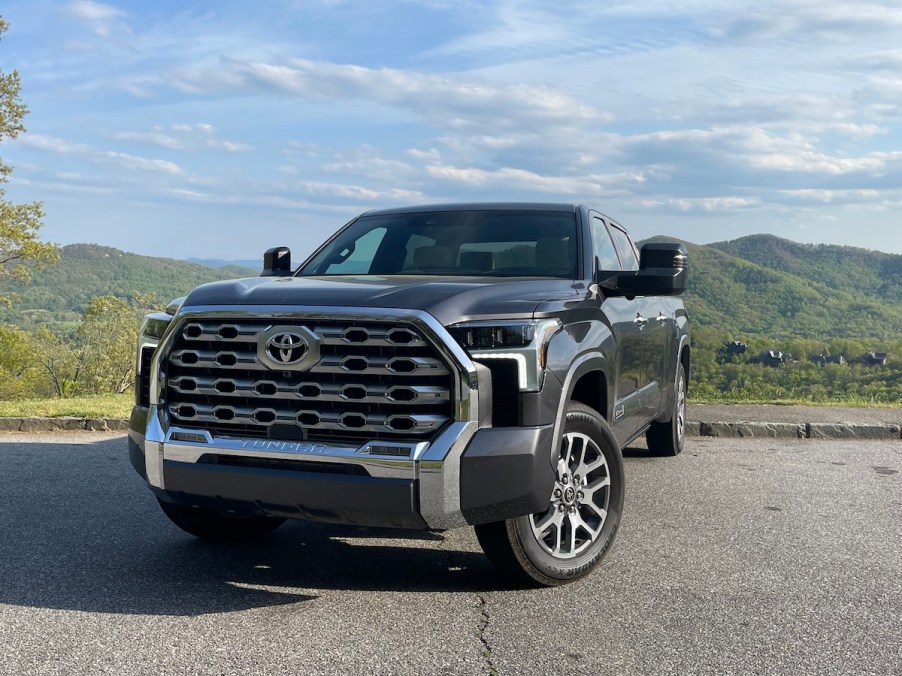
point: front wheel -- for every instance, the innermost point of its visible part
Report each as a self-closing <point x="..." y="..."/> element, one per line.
<point x="216" y="527"/>
<point x="570" y="538"/>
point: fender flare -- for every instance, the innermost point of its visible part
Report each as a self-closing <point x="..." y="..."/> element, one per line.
<point x="583" y="364"/>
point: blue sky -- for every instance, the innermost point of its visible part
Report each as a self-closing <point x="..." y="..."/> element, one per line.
<point x="218" y="129"/>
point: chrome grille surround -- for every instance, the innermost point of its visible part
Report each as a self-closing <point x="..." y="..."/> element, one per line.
<point x="370" y="378"/>
<point x="425" y="447"/>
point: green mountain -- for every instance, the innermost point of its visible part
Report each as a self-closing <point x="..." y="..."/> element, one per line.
<point x="763" y="285"/>
<point x="759" y="285"/>
<point x="729" y="292"/>
<point x="842" y="268"/>
<point x="62" y="291"/>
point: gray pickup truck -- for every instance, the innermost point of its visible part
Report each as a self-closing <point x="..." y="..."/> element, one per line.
<point x="427" y="367"/>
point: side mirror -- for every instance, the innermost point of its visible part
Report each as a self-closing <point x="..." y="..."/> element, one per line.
<point x="663" y="270"/>
<point x="277" y="262"/>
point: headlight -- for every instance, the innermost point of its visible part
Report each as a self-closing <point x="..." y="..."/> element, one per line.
<point x="524" y="342"/>
<point x="478" y="336"/>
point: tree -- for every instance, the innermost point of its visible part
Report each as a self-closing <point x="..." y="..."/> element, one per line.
<point x="20" y="248"/>
<point x="20" y="374"/>
<point x="99" y="358"/>
<point x="107" y="338"/>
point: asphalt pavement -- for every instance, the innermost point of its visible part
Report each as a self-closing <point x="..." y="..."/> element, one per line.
<point x="776" y="556"/>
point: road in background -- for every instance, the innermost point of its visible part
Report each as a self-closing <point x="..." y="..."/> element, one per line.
<point x="769" y="556"/>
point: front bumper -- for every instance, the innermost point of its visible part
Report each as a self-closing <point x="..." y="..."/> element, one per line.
<point x="466" y="473"/>
<point x="464" y="477"/>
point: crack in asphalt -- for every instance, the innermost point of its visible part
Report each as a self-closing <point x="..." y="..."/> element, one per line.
<point x="483" y="618"/>
<point x="482" y="607"/>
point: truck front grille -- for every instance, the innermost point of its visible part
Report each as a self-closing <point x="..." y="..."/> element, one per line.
<point x="373" y="380"/>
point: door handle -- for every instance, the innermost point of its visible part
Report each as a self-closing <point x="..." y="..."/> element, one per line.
<point x="640" y="320"/>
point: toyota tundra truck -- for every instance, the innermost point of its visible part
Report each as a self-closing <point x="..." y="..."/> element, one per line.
<point x="428" y="367"/>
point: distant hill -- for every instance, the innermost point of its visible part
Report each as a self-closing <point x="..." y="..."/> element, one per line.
<point x="764" y="285"/>
<point x="84" y="271"/>
<point x="758" y="285"/>
<point x="843" y="268"/>
<point x="249" y="264"/>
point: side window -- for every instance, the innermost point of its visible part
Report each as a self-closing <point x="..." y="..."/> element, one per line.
<point x="602" y="246"/>
<point x="625" y="248"/>
<point x="358" y="260"/>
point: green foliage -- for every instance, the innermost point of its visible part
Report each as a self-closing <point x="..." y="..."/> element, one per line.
<point x="60" y="294"/>
<point x="20" y="249"/>
<point x="100" y="357"/>
<point x="748" y="298"/>
<point x="841" y="268"/>
<point x="18" y="375"/>
<point x="715" y="377"/>
<point x="78" y="329"/>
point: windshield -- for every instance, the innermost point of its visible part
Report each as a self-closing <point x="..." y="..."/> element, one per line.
<point x="456" y="243"/>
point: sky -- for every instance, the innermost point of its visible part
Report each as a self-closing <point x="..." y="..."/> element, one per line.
<point x="218" y="129"/>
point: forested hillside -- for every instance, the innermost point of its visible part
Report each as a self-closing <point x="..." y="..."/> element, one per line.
<point x="744" y="296"/>
<point x="769" y="293"/>
<point x="842" y="268"/>
<point x="63" y="291"/>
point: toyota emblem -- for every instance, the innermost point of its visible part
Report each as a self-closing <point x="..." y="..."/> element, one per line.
<point x="288" y="348"/>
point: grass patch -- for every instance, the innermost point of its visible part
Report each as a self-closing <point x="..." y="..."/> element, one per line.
<point x="100" y="406"/>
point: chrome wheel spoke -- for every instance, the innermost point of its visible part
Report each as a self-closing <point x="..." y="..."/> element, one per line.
<point x="602" y="513"/>
<point x="562" y="468"/>
<point x="558" y="536"/>
<point x="552" y="517"/>
<point x="573" y="528"/>
<point x="573" y="520"/>
<point x="594" y="486"/>
<point x="595" y="464"/>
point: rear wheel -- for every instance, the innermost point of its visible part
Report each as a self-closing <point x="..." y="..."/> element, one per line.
<point x="569" y="539"/>
<point x="216" y="527"/>
<point x="667" y="438"/>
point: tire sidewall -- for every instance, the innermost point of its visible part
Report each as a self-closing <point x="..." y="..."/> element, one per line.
<point x="555" y="570"/>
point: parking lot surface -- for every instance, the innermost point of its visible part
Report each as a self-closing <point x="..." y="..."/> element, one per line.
<point x="740" y="556"/>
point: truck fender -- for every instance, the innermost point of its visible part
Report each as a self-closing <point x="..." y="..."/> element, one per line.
<point x="583" y="364"/>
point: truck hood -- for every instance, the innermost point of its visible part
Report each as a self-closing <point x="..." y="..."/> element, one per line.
<point x="448" y="299"/>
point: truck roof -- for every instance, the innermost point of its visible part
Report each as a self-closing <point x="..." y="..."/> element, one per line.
<point x="477" y="206"/>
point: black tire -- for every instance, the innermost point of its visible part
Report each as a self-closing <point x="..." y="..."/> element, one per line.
<point x="532" y="548"/>
<point x="667" y="438"/>
<point x="216" y="527"/>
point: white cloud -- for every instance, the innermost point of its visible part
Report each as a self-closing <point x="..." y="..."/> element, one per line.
<point x="142" y="163"/>
<point x="100" y="18"/>
<point x="366" y="162"/>
<point x="357" y="192"/>
<point x="825" y="196"/>
<point x="184" y="137"/>
<point x="443" y="101"/>
<point x="837" y="18"/>
<point x="520" y="179"/>
<point x="92" y="154"/>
